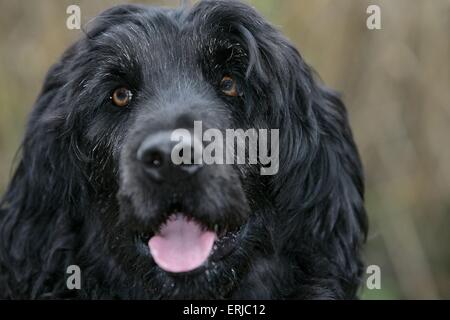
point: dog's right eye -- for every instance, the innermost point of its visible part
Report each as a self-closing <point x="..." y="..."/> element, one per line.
<point x="229" y="87"/>
<point x="121" y="97"/>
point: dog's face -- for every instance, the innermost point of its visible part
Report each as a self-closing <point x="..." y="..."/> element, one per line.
<point x="97" y="176"/>
<point x="142" y="74"/>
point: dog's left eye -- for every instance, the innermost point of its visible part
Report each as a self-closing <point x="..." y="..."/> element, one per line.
<point x="229" y="87"/>
<point x="121" y="97"/>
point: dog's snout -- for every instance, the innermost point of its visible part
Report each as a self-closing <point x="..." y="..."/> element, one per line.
<point x="156" y="155"/>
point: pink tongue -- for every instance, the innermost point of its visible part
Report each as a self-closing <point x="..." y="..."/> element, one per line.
<point x="182" y="245"/>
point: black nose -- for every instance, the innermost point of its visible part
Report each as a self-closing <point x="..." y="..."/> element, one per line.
<point x="156" y="151"/>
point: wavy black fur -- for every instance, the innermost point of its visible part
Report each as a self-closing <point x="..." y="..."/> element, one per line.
<point x="77" y="196"/>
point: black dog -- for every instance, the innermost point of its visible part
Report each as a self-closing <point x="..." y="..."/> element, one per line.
<point x="94" y="187"/>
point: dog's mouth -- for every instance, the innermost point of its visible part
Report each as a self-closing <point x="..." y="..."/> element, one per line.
<point x="183" y="244"/>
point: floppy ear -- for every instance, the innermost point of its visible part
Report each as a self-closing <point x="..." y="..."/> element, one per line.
<point x="320" y="183"/>
<point x="36" y="233"/>
<point x="326" y="195"/>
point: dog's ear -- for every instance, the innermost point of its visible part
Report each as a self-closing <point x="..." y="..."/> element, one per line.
<point x="35" y="233"/>
<point x="321" y="187"/>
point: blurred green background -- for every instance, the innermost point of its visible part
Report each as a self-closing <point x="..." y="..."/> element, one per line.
<point x="395" y="82"/>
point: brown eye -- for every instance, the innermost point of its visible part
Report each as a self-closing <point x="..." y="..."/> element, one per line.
<point x="121" y="97"/>
<point x="229" y="87"/>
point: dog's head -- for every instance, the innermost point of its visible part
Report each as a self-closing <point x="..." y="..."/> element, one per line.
<point x="102" y="132"/>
